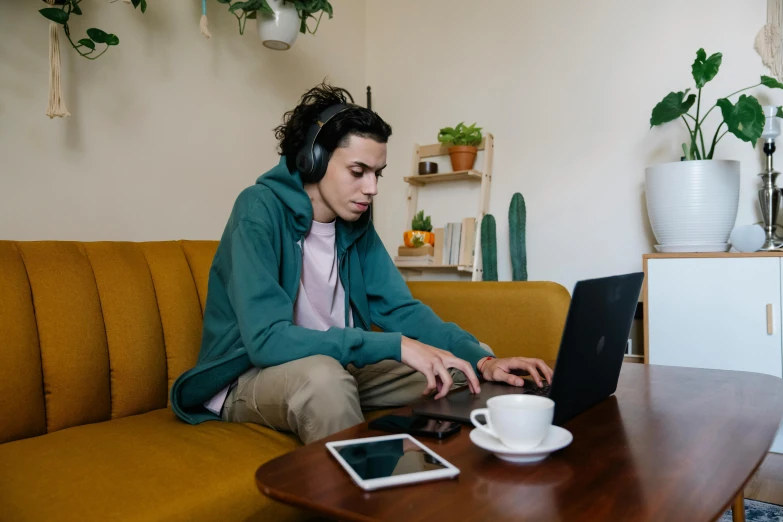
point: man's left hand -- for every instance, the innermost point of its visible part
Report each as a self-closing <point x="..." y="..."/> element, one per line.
<point x="500" y="370"/>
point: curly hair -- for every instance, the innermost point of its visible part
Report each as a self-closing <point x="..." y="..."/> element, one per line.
<point x="356" y="121"/>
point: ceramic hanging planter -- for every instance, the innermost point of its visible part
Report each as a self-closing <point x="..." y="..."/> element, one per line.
<point x="278" y="31"/>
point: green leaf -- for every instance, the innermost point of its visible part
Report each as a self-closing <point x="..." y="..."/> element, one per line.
<point x="745" y="119"/>
<point x="143" y="6"/>
<point x="87" y="43"/>
<point x="224" y="1"/>
<point x="265" y="9"/>
<point x="57" y="16"/>
<point x="97" y="35"/>
<point x="780" y="112"/>
<point x="771" y="82"/>
<point x="75" y="9"/>
<point x="135" y="3"/>
<point x="704" y="69"/>
<point x="672" y="107"/>
<point x="112" y="39"/>
<point x="239" y="5"/>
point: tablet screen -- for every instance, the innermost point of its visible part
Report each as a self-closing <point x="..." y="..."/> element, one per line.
<point x="388" y="458"/>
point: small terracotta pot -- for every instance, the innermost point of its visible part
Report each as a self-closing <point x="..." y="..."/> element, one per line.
<point x="426" y="237"/>
<point x="463" y="157"/>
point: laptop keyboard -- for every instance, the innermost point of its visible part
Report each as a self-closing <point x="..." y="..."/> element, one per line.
<point x="531" y="388"/>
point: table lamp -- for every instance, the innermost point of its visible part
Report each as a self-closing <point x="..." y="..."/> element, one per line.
<point x="769" y="194"/>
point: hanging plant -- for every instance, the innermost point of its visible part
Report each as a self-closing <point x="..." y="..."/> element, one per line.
<point x="60" y="16"/>
<point x="243" y="10"/>
<point x="95" y="37"/>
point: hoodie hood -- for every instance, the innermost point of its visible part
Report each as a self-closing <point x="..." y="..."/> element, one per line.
<point x="288" y="187"/>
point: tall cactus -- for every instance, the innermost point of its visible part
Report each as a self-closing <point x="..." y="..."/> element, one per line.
<point x="489" y="248"/>
<point x="517" y="218"/>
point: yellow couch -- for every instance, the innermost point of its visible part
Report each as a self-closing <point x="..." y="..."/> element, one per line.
<point x="92" y="335"/>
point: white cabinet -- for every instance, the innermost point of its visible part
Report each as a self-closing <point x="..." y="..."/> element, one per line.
<point x="713" y="313"/>
<point x="718" y="312"/>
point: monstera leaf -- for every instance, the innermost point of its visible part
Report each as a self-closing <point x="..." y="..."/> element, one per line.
<point x="745" y="119"/>
<point x="705" y="69"/>
<point x="674" y="105"/>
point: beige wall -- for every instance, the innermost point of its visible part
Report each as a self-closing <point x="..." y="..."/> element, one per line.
<point x="167" y="128"/>
<point x="567" y="89"/>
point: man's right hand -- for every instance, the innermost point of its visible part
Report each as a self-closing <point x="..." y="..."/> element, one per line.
<point x="434" y="363"/>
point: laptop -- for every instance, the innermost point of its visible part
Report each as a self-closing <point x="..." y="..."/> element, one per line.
<point x="589" y="361"/>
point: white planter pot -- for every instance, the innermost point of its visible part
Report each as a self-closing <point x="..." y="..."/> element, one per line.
<point x="692" y="205"/>
<point x="279" y="31"/>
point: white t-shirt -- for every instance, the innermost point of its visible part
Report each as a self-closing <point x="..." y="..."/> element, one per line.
<point x="320" y="301"/>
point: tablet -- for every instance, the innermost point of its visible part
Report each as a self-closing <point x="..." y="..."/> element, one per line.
<point x="390" y="460"/>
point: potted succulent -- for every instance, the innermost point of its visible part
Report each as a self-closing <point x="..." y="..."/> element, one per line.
<point x="692" y="203"/>
<point x="420" y="233"/>
<point x="279" y="21"/>
<point x="462" y="142"/>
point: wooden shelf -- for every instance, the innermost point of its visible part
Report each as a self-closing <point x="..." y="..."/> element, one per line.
<point x="461" y="175"/>
<point x="435" y="268"/>
<point x="481" y="175"/>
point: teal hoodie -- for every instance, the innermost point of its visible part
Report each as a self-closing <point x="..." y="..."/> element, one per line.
<point x="253" y="283"/>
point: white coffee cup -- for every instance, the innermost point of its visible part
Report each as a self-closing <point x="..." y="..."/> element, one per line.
<point x="519" y="421"/>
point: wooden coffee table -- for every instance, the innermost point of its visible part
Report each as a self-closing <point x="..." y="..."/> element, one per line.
<point x="672" y="444"/>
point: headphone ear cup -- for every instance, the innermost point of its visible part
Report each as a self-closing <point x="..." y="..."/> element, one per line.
<point x="320" y="163"/>
<point x="304" y="164"/>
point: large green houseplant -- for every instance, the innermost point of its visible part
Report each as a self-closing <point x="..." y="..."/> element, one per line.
<point x="692" y="205"/>
<point x="744" y="119"/>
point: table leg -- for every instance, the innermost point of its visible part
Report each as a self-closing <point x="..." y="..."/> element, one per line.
<point x="738" y="507"/>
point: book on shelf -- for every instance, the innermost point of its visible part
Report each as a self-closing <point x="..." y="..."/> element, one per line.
<point x="451" y="243"/>
<point x="467" y="242"/>
<point x="438" y="254"/>
<point x="414" y="260"/>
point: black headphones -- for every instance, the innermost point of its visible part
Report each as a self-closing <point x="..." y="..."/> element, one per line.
<point x="312" y="159"/>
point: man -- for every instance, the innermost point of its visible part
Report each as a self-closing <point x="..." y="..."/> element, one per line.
<point x="299" y="278"/>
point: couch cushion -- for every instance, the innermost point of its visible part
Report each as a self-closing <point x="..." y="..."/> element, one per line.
<point x="144" y="467"/>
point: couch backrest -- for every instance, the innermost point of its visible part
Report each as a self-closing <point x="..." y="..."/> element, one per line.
<point x="513" y="318"/>
<point x="95" y="331"/>
<point x="100" y="330"/>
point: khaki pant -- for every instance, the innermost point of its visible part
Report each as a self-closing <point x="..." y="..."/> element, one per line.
<point x="316" y="396"/>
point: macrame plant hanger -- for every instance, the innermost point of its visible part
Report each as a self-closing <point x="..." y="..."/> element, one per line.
<point x="56" y="107"/>
<point x="769" y="40"/>
<point x="204" y="26"/>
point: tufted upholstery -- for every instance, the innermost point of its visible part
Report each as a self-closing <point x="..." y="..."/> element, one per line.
<point x="92" y="335"/>
<point x="95" y="331"/>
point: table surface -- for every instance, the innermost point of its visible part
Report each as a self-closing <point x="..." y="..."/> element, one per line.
<point x="671" y="444"/>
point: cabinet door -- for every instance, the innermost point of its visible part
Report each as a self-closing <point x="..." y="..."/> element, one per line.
<point x="713" y="313"/>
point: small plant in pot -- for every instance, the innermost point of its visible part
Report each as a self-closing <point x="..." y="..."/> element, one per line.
<point x="462" y="141"/>
<point x="692" y="204"/>
<point x="420" y="233"/>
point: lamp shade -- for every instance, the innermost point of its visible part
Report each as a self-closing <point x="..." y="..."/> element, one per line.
<point x="772" y="123"/>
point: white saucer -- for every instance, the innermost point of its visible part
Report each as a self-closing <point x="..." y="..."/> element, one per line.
<point x="704" y="247"/>
<point x="558" y="438"/>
